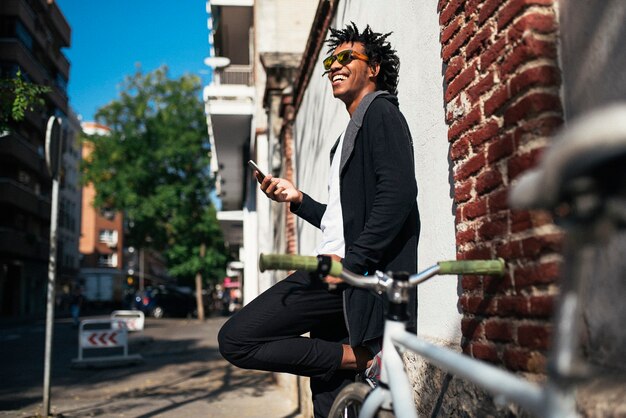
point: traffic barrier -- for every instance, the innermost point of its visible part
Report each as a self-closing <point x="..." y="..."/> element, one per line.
<point x="133" y="319"/>
<point x="107" y="335"/>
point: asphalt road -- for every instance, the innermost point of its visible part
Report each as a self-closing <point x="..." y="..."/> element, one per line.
<point x="183" y="375"/>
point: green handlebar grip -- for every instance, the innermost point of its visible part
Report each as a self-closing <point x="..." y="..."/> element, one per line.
<point x="294" y="262"/>
<point x="491" y="267"/>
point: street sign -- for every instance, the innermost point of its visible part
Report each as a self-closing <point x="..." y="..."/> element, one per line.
<point x="96" y="339"/>
<point x="133" y="319"/>
<point x="53" y="146"/>
<point x="104" y="334"/>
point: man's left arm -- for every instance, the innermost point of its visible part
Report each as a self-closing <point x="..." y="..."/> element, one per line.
<point x="391" y="149"/>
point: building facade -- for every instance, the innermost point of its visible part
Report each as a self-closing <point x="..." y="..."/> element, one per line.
<point x="32" y="35"/>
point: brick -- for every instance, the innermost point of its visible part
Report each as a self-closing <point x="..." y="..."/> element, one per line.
<point x="483" y="133"/>
<point x="481" y="87"/>
<point x="492" y="53"/>
<point x="541" y="306"/>
<point x="532" y="275"/>
<point x="529" y="130"/>
<point x="535" y="246"/>
<point x="545" y="75"/>
<point x="471" y="283"/>
<point x="487" y="10"/>
<point x="522" y="162"/>
<point x="458" y="41"/>
<point x="488" y="180"/>
<point x="509" y="250"/>
<point x="472" y="328"/>
<point x="500" y="147"/>
<point x="521" y="359"/>
<point x="464" y="124"/>
<point x="441" y="4"/>
<point x="454" y="66"/>
<point x="528" y="50"/>
<point x="460" y="149"/>
<point x="449" y="11"/>
<point x="497" y="99"/>
<point x="520" y="221"/>
<point x="460" y="82"/>
<point x="497" y="284"/>
<point x="462" y="191"/>
<point x="485" y="351"/>
<point x="534" y="336"/>
<point x="493" y="228"/>
<point x="530" y="106"/>
<point x="451" y="29"/>
<point x="469" y="167"/>
<point x="478" y="42"/>
<point x="465" y="237"/>
<point x="511" y="305"/>
<point x="514" y="8"/>
<point x="475" y="209"/>
<point x="474" y="253"/>
<point x="497" y="201"/>
<point x="499" y="330"/>
<point x="471" y="6"/>
<point x="532" y="22"/>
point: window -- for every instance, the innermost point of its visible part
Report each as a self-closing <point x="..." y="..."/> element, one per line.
<point x="108" y="236"/>
<point x="107" y="260"/>
<point x="23" y="35"/>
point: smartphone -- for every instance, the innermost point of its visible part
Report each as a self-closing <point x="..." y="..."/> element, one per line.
<point x="260" y="176"/>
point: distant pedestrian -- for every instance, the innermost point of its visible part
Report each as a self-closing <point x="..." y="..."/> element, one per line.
<point x="76" y="304"/>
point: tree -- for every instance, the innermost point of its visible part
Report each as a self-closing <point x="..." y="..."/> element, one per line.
<point x="154" y="166"/>
<point x="16" y="97"/>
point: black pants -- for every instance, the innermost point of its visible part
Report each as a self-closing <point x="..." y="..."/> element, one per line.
<point x="267" y="335"/>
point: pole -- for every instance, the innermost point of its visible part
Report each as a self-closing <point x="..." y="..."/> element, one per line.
<point x="51" y="298"/>
<point x="53" y="160"/>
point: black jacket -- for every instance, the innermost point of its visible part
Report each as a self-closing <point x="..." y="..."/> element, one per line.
<point x="378" y="201"/>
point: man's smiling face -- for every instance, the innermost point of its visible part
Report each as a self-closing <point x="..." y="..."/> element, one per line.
<point x="352" y="81"/>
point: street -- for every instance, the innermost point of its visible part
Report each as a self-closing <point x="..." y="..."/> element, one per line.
<point x="182" y="375"/>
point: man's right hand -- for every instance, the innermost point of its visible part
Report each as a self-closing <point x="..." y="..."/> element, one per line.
<point x="280" y="190"/>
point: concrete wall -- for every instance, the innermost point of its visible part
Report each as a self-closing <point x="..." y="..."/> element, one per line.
<point x="322" y="118"/>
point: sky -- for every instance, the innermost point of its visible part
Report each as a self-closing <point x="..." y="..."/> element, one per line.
<point x="110" y="38"/>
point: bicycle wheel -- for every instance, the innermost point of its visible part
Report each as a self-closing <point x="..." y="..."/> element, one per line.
<point x="349" y="401"/>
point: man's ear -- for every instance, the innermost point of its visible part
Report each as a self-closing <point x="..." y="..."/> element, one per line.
<point x="374" y="70"/>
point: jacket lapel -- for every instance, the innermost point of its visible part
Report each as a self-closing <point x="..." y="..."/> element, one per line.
<point x="353" y="128"/>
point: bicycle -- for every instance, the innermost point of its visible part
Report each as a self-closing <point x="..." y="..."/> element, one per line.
<point x="576" y="181"/>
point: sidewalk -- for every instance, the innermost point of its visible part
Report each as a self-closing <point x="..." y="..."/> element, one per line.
<point x="183" y="375"/>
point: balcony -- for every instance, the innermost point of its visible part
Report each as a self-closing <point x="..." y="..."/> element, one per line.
<point x="15" y="194"/>
<point x="24" y="245"/>
<point x="234" y="75"/>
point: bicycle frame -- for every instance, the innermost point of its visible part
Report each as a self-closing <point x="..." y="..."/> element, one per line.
<point x="543" y="400"/>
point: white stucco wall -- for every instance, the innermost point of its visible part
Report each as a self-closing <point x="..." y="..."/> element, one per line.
<point x="322" y="118"/>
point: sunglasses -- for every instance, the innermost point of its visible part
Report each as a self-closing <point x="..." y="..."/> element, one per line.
<point x="344" y="57"/>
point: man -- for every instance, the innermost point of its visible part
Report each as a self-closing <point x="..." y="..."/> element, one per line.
<point x="371" y="223"/>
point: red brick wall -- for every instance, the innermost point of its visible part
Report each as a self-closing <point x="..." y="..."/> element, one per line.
<point x="502" y="104"/>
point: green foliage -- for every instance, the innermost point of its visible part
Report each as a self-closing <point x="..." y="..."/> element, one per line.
<point x="18" y="96"/>
<point x="154" y="166"/>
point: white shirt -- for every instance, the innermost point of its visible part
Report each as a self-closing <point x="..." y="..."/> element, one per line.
<point x="332" y="221"/>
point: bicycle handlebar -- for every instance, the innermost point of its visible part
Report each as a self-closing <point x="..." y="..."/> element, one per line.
<point x="295" y="262"/>
<point x="489" y="267"/>
<point x="310" y="263"/>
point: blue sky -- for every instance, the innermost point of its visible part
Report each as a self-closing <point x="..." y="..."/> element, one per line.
<point x="109" y="38"/>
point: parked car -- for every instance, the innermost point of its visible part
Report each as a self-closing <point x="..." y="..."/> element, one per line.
<point x="160" y="301"/>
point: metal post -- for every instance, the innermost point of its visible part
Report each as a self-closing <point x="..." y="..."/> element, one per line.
<point x="53" y="159"/>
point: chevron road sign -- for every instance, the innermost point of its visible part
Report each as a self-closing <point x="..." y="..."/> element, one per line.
<point x="103" y="338"/>
<point x="104" y="334"/>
